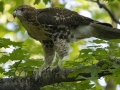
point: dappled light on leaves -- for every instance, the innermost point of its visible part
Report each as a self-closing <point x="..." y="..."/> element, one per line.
<point x="20" y="55"/>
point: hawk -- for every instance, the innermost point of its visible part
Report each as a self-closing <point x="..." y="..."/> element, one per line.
<point x="56" y="28"/>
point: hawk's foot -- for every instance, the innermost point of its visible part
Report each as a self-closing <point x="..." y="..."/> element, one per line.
<point x="47" y="69"/>
<point x="38" y="73"/>
<point x="58" y="71"/>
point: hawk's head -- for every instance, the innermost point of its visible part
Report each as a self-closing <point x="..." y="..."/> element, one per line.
<point x="24" y="12"/>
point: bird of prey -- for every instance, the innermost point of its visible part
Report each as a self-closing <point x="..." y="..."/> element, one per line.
<point x="56" y="28"/>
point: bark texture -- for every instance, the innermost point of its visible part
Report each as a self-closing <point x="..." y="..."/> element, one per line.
<point x="48" y="77"/>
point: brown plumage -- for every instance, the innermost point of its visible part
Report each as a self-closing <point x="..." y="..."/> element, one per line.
<point x="55" y="28"/>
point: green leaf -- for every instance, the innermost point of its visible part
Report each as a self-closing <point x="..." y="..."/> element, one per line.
<point x="4" y="59"/>
<point x="117" y="79"/>
<point x="1" y="70"/>
<point x="117" y="71"/>
<point x="111" y="0"/>
<point x="11" y="72"/>
<point x="75" y="73"/>
<point x="6" y="43"/>
<point x="99" y="41"/>
<point x="85" y="85"/>
<point x="15" y="65"/>
<point x="86" y="51"/>
<point x="32" y="63"/>
<point x="46" y="1"/>
<point x="94" y="72"/>
<point x="1" y="6"/>
<point x="114" y="41"/>
<point x="36" y="1"/>
<point x="18" y="54"/>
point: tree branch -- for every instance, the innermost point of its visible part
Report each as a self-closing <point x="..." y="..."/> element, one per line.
<point x="109" y="12"/>
<point x="49" y="77"/>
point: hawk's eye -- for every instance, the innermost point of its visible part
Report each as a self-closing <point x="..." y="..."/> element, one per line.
<point x="22" y="9"/>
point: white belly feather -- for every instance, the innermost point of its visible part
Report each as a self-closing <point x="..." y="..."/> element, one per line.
<point x="82" y="32"/>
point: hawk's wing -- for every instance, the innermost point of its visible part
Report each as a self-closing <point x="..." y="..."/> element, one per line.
<point x="59" y="16"/>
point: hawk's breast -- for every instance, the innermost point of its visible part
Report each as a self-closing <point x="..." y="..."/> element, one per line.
<point x="35" y="31"/>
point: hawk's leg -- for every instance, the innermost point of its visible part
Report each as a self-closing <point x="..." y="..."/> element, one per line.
<point x="49" y="55"/>
<point x="61" y="40"/>
<point x="62" y="49"/>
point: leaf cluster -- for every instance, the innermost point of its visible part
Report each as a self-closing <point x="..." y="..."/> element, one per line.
<point x="19" y="57"/>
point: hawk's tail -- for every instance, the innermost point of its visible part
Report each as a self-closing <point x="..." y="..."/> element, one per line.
<point x="106" y="31"/>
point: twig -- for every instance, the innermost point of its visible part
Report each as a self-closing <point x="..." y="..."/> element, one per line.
<point x="109" y="12"/>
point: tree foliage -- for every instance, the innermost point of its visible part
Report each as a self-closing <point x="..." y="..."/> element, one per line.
<point x="23" y="55"/>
